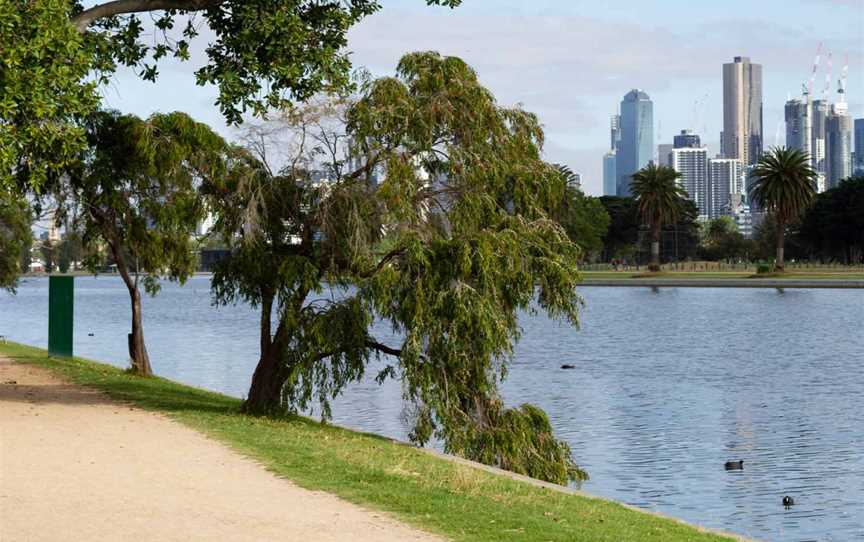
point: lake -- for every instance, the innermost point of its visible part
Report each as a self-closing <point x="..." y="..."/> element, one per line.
<point x="669" y="384"/>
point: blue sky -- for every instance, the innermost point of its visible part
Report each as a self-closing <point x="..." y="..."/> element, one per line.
<point x="571" y="61"/>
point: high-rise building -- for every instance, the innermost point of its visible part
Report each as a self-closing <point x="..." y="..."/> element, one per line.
<point x="686" y="139"/>
<point x="614" y="131"/>
<point x="820" y="111"/>
<point x="692" y="164"/>
<point x="636" y="147"/>
<point x="838" y="140"/>
<point x="742" y="111"/>
<point x="858" y="162"/>
<point x="798" y="125"/>
<point x="738" y="209"/>
<point x="663" y="154"/>
<point x="610" y="179"/>
<point x="725" y="179"/>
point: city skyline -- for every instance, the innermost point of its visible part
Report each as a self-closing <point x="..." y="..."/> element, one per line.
<point x="570" y="63"/>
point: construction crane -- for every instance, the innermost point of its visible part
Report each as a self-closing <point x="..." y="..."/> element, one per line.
<point x="815" y="69"/>
<point x="844" y="76"/>
<point x="827" y="90"/>
<point x="698" y="114"/>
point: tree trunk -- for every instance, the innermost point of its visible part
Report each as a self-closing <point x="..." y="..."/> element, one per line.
<point x="780" y="264"/>
<point x="655" y="249"/>
<point x="265" y="391"/>
<point x="137" y="349"/>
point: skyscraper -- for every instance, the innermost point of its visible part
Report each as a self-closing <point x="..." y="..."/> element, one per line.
<point x="610" y="179"/>
<point x="636" y="147"/>
<point x="692" y="164"/>
<point x="614" y="131"/>
<point x="742" y="111"/>
<point x="725" y="179"/>
<point x="663" y="154"/>
<point x="838" y="140"/>
<point x="819" y="111"/>
<point x="797" y="125"/>
<point x="686" y="139"/>
<point x="858" y="165"/>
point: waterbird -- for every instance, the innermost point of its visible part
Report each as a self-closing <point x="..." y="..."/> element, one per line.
<point x="734" y="465"/>
<point x="788" y="501"/>
<point x="91" y="334"/>
<point x="567" y="366"/>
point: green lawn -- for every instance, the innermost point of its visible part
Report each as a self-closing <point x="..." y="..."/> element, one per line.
<point x="791" y="275"/>
<point x="458" y="501"/>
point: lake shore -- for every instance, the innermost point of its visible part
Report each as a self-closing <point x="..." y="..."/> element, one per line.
<point x="435" y="494"/>
<point x="707" y="279"/>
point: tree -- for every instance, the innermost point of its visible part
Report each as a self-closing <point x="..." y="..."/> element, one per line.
<point x="136" y="192"/>
<point x="623" y="231"/>
<point x="659" y="200"/>
<point x="70" y="251"/>
<point x="584" y="219"/>
<point x="15" y="238"/>
<point x="44" y="92"/>
<point x="833" y="228"/>
<point x="453" y="242"/>
<point x="785" y="187"/>
<point x="723" y="241"/>
<point x="56" y="53"/>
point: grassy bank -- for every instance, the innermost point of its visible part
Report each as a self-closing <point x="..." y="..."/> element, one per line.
<point x="458" y="501"/>
<point x="719" y="275"/>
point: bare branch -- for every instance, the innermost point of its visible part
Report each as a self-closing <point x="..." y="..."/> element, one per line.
<point x="83" y="20"/>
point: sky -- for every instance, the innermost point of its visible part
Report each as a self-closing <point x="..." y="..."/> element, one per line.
<point x="571" y="62"/>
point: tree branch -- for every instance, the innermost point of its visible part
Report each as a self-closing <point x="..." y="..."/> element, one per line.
<point x="383" y="348"/>
<point x="387" y="258"/>
<point x="120" y="7"/>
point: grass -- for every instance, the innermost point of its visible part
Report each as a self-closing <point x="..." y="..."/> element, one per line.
<point x="791" y="275"/>
<point x="458" y="501"/>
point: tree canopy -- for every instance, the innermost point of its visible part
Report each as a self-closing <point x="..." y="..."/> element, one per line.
<point x="440" y="217"/>
<point x="785" y="187"/>
<point x="135" y="191"/>
<point x="833" y="228"/>
<point x="585" y="220"/>
<point x="659" y="200"/>
<point x="15" y="238"/>
<point x="259" y="53"/>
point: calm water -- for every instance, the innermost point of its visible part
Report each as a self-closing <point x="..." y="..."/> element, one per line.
<point x="669" y="385"/>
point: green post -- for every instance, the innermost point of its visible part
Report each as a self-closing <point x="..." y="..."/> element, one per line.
<point x="61" y="298"/>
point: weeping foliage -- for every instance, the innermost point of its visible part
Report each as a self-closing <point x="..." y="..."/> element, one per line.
<point x="135" y="190"/>
<point x="448" y="248"/>
<point x="289" y="237"/>
<point x="458" y="280"/>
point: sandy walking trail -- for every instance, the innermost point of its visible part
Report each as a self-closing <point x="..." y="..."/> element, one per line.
<point x="76" y="466"/>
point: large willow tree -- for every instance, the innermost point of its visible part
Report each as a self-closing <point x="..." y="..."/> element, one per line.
<point x="448" y="248"/>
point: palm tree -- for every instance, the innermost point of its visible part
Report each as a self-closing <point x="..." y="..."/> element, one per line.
<point x="659" y="200"/>
<point x="785" y="187"/>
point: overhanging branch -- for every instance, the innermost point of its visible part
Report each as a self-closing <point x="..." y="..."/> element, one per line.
<point x="83" y="20"/>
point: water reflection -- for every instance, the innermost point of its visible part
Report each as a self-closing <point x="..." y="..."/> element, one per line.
<point x="668" y="385"/>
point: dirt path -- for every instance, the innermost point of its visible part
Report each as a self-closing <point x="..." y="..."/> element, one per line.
<point x="76" y="466"/>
